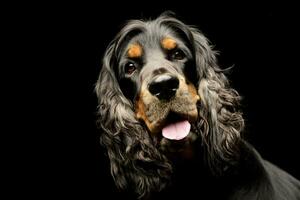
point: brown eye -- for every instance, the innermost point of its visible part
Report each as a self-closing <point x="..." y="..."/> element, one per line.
<point x="178" y="55"/>
<point x="130" y="68"/>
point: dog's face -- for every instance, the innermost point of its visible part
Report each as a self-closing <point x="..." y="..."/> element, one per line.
<point x="157" y="73"/>
<point x="159" y="90"/>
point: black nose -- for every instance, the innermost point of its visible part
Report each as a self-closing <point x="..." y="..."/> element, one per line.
<point x="164" y="86"/>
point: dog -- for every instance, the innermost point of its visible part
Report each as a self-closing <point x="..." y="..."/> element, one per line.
<point x="171" y="123"/>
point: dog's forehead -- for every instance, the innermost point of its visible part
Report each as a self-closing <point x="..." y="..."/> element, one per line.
<point x="153" y="34"/>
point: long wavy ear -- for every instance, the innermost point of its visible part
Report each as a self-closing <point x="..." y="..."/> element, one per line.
<point x="135" y="161"/>
<point x="219" y="107"/>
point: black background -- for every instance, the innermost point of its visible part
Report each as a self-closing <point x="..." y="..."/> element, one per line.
<point x="63" y="45"/>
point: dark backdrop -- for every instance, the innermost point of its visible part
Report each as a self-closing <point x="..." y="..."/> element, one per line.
<point x="259" y="40"/>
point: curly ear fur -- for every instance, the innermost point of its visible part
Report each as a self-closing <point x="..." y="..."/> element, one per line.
<point x="135" y="161"/>
<point x="219" y="104"/>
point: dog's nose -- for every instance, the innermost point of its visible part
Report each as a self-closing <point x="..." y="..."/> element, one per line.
<point x="164" y="86"/>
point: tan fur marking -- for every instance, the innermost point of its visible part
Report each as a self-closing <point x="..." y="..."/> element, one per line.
<point x="134" y="51"/>
<point x="192" y="90"/>
<point x="140" y="112"/>
<point x="168" y="43"/>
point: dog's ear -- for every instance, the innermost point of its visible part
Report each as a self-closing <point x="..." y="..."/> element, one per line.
<point x="113" y="111"/>
<point x="219" y="106"/>
<point x="135" y="161"/>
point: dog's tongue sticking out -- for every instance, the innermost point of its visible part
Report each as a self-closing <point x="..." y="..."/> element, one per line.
<point x="176" y="131"/>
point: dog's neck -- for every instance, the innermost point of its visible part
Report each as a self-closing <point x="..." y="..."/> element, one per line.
<point x="185" y="149"/>
<point x="193" y="175"/>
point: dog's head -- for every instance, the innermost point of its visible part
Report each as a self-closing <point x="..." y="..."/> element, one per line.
<point x="160" y="85"/>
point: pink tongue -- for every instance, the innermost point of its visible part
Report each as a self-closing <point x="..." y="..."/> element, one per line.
<point x="177" y="131"/>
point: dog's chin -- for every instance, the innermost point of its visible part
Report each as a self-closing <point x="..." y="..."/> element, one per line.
<point x="177" y="146"/>
<point x="176" y="134"/>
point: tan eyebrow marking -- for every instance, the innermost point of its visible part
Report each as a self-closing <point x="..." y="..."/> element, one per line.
<point x="134" y="51"/>
<point x="168" y="43"/>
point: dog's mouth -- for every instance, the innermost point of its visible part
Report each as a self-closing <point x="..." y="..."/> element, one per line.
<point x="176" y="134"/>
<point x="171" y="121"/>
<point x="177" y="130"/>
<point x="176" y="127"/>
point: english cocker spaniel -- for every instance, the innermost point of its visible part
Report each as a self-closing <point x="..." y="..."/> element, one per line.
<point x="171" y="122"/>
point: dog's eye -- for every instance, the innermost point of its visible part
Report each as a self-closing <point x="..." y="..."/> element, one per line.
<point x="130" y="68"/>
<point x="178" y="55"/>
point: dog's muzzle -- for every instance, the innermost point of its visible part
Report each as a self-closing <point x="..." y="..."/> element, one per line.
<point x="168" y="105"/>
